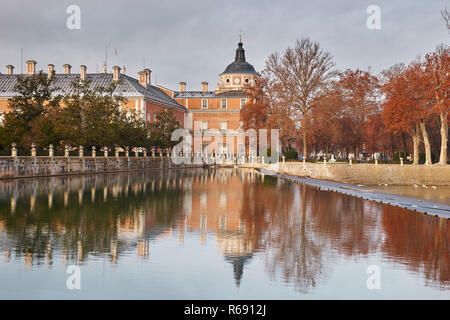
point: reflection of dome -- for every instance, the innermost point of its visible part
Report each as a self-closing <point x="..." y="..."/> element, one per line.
<point x="238" y="263"/>
<point x="237" y="250"/>
<point x="240" y="65"/>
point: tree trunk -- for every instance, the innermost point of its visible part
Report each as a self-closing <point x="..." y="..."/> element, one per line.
<point x="426" y="141"/>
<point x="416" y="142"/>
<point x="304" y="138"/>
<point x="404" y="144"/>
<point x="444" y="137"/>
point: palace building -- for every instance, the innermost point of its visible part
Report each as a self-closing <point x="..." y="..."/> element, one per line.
<point x="220" y="109"/>
<point x="208" y="109"/>
<point x="142" y="97"/>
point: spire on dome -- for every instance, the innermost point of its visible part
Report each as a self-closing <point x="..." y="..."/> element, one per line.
<point x="240" y="53"/>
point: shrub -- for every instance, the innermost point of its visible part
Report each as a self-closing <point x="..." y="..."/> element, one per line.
<point x="397" y="155"/>
<point x="422" y="158"/>
<point x="291" y="154"/>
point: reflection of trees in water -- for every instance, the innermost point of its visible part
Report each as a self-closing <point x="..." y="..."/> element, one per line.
<point x="86" y="213"/>
<point x="420" y="242"/>
<point x="302" y="227"/>
<point x="349" y="224"/>
<point x="294" y="253"/>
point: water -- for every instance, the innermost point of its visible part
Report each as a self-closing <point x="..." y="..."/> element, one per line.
<point x="440" y="194"/>
<point x="211" y="234"/>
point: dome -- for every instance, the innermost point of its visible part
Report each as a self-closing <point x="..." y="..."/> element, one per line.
<point x="240" y="65"/>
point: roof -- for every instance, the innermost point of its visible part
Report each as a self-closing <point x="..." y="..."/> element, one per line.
<point x="240" y="65"/>
<point x="210" y="94"/>
<point x="127" y="87"/>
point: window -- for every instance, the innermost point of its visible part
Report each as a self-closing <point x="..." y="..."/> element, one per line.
<point x="223" y="125"/>
<point x="243" y="102"/>
<point x="241" y="124"/>
<point x="205" y="125"/>
<point x="154" y="117"/>
<point x="204" y="104"/>
<point x="246" y="80"/>
<point x="224" y="103"/>
<point x="2" y="118"/>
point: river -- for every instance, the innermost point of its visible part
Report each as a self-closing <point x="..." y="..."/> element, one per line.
<point x="212" y="234"/>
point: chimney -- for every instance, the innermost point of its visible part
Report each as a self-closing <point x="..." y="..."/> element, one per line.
<point x="116" y="73"/>
<point x="104" y="68"/>
<point x="182" y="86"/>
<point x="148" y="74"/>
<point x="83" y="69"/>
<point x="51" y="70"/>
<point x="204" y="86"/>
<point x="67" y="67"/>
<point x="31" y="66"/>
<point x="142" y="78"/>
<point x="9" y="69"/>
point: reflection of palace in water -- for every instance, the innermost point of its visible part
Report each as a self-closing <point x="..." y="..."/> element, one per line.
<point x="157" y="206"/>
<point x="72" y="219"/>
<point x="214" y="204"/>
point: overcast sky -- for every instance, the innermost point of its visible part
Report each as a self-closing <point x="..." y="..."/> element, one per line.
<point x="194" y="40"/>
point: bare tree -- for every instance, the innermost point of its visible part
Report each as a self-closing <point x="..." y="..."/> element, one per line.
<point x="446" y="17"/>
<point x="302" y="71"/>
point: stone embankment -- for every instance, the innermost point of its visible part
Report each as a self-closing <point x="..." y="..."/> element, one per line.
<point x="366" y="174"/>
<point x="23" y="167"/>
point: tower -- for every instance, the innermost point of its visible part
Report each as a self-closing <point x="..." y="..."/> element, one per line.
<point x="237" y="75"/>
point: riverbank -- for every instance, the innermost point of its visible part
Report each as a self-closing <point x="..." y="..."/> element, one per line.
<point x="366" y="174"/>
<point x="29" y="167"/>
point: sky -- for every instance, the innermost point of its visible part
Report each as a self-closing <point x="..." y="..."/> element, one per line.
<point x="194" y="40"/>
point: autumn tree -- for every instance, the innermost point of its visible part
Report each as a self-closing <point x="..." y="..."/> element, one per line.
<point x="161" y="130"/>
<point x="406" y="105"/>
<point x="92" y="116"/>
<point x="360" y="93"/>
<point x="374" y="133"/>
<point x="327" y="119"/>
<point x="34" y="100"/>
<point x="268" y="110"/>
<point x="302" y="72"/>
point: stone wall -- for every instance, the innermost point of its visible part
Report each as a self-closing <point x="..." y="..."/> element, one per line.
<point x="367" y="174"/>
<point x="20" y="167"/>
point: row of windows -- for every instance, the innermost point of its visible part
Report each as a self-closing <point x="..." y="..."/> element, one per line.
<point x="224" y="103"/>
<point x="223" y="125"/>
<point x="236" y="80"/>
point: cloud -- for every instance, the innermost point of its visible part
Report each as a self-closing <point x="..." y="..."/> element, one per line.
<point x="194" y="40"/>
